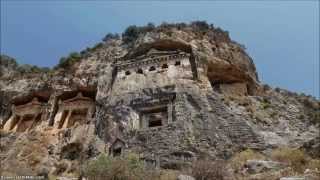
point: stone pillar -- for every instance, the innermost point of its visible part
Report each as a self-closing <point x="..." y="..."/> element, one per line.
<point x="157" y="162"/>
<point x="18" y="123"/>
<point x="170" y="112"/>
<point x="53" y="109"/>
<point x="90" y="113"/>
<point x="143" y="121"/>
<point x="66" y="121"/>
<point x="33" y="122"/>
<point x="9" y="123"/>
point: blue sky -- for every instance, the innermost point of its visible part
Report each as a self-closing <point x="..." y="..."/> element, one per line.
<point x="281" y="36"/>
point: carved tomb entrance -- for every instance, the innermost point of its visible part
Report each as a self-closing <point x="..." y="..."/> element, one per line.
<point x="78" y="109"/>
<point x="25" y="116"/>
<point x="156" y="110"/>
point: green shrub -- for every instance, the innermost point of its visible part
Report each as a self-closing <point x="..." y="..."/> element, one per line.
<point x="315" y="117"/>
<point x="97" y="46"/>
<point x="110" y="36"/>
<point x="66" y="62"/>
<point x="265" y="104"/>
<point x="132" y="32"/>
<point x="8" y="61"/>
<point x="200" y="25"/>
<point x="129" y="167"/>
<point x="26" y="68"/>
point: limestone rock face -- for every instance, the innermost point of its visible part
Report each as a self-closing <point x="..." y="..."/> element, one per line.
<point x="172" y="95"/>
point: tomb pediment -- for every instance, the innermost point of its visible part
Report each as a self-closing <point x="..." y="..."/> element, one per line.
<point x="78" y="97"/>
<point x="31" y="107"/>
<point x="41" y="97"/>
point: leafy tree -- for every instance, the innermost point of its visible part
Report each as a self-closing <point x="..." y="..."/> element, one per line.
<point x="130" y="34"/>
<point x="110" y="36"/>
<point x="200" y="26"/>
<point x="65" y="62"/>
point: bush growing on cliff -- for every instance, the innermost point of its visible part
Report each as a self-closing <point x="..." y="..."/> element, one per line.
<point x="26" y="68"/>
<point x="8" y="61"/>
<point x="124" y="168"/>
<point x="132" y="32"/>
<point x="315" y="117"/>
<point x="200" y="25"/>
<point x="65" y="62"/>
<point x="110" y="36"/>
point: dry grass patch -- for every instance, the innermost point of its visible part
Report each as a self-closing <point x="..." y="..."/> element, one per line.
<point x="314" y="164"/>
<point x="295" y="158"/>
<point x="168" y="175"/>
<point x="209" y="170"/>
<point x="239" y="159"/>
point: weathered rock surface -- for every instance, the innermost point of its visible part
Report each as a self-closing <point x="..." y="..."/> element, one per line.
<point x="185" y="177"/>
<point x="259" y="166"/>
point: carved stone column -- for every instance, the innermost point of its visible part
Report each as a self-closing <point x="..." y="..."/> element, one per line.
<point x="33" y="122"/>
<point x="170" y="112"/>
<point x="19" y="121"/>
<point x="53" y="102"/>
<point x="143" y="121"/>
<point x="8" y="125"/>
<point x="90" y="113"/>
<point x="66" y="122"/>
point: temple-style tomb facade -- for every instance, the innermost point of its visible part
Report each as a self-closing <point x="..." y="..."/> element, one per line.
<point x="25" y="116"/>
<point x="78" y="109"/>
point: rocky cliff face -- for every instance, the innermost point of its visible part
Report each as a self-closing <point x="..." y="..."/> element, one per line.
<point x="172" y="94"/>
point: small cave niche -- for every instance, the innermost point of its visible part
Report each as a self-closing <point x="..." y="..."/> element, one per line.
<point x="215" y="85"/>
<point x="155" y="123"/>
<point x="139" y="71"/>
<point x="152" y="68"/>
<point x="117" y="148"/>
<point x="127" y="73"/>
<point x="154" y="117"/>
<point x="164" y="66"/>
<point x="183" y="155"/>
<point x="177" y="63"/>
<point x="117" y="152"/>
<point x="71" y="151"/>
